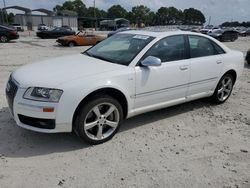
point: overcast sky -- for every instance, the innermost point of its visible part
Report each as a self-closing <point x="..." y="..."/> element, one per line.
<point x="219" y="10"/>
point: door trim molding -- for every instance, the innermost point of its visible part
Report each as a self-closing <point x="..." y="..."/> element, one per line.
<point x="144" y="94"/>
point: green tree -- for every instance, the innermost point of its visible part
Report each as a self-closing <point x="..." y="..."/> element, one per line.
<point x="167" y="16"/>
<point x="193" y="16"/>
<point x="91" y="12"/>
<point x="162" y="16"/>
<point x="77" y="6"/>
<point x="175" y="15"/>
<point x="116" y="11"/>
<point x="151" y="19"/>
<point x="140" y="14"/>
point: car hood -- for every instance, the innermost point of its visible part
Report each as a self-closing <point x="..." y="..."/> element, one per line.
<point x="53" y="72"/>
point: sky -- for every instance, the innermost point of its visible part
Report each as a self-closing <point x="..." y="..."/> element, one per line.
<point x="219" y="10"/>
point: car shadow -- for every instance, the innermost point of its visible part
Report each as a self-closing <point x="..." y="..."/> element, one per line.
<point x="16" y="142"/>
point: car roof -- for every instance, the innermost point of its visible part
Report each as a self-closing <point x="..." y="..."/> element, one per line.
<point x="6" y="27"/>
<point x="160" y="34"/>
<point x="164" y="34"/>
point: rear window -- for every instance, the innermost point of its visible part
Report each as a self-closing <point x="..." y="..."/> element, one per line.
<point x="201" y="47"/>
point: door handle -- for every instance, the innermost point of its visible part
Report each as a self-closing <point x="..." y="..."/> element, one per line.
<point x="219" y="62"/>
<point x="184" y="67"/>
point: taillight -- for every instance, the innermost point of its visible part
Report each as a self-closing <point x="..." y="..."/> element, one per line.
<point x="13" y="32"/>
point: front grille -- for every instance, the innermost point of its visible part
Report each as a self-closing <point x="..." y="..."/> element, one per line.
<point x="11" y="90"/>
<point x="37" y="122"/>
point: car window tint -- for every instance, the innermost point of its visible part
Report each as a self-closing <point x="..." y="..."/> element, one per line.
<point x="200" y="47"/>
<point x="168" y="49"/>
<point x="218" y="49"/>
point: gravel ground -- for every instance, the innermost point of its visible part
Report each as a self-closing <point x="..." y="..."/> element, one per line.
<point x="190" y="145"/>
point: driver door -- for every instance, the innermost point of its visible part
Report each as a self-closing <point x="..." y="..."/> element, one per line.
<point x="165" y="83"/>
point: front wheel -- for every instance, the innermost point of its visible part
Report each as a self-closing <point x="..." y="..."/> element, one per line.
<point x="223" y="89"/>
<point x="99" y="119"/>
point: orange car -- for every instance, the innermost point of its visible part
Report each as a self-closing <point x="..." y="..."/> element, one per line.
<point x="80" y="39"/>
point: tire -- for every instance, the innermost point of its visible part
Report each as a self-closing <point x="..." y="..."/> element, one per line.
<point x="92" y="125"/>
<point x="4" y="39"/>
<point x="223" y="89"/>
<point x="248" y="57"/>
<point x="71" y="44"/>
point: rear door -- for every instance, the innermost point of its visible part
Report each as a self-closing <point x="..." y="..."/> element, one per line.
<point x="206" y="63"/>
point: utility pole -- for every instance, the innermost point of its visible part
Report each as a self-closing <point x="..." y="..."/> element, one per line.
<point x="209" y="20"/>
<point x="4" y="5"/>
<point x="95" y="16"/>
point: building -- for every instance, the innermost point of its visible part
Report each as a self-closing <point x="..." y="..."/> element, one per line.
<point x="30" y="21"/>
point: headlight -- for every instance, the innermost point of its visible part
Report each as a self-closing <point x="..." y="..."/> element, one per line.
<point x="43" y="94"/>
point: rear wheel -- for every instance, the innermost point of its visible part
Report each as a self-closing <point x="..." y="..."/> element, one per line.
<point x="223" y="89"/>
<point x="3" y="39"/>
<point x="71" y="44"/>
<point x="99" y="119"/>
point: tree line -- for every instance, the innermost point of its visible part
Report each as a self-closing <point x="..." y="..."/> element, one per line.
<point x="137" y="15"/>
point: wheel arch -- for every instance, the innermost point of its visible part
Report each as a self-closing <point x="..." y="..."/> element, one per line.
<point x="233" y="73"/>
<point x="113" y="92"/>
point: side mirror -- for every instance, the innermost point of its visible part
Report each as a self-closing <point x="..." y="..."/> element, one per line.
<point x="151" y="61"/>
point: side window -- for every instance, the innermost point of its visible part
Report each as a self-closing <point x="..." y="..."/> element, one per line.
<point x="218" y="49"/>
<point x="168" y="49"/>
<point x="200" y="47"/>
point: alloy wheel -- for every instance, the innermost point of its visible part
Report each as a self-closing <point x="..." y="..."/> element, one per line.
<point x="101" y="121"/>
<point x="225" y="88"/>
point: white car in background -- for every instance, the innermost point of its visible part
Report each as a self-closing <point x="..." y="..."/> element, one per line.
<point x="130" y="73"/>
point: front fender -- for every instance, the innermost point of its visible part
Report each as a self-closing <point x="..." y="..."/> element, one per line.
<point x="75" y="91"/>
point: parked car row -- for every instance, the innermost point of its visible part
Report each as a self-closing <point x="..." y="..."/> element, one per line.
<point x="67" y="37"/>
<point x="54" y="33"/>
<point x="245" y="33"/>
<point x="223" y="35"/>
<point x="80" y="39"/>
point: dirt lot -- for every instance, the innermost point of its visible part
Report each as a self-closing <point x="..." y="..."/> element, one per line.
<point x="191" y="145"/>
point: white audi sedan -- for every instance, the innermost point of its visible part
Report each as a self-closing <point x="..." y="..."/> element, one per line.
<point x="130" y="73"/>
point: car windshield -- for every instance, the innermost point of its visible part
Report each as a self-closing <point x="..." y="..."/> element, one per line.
<point x="120" y="48"/>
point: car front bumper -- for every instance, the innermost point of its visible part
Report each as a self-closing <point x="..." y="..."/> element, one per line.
<point x="30" y="114"/>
